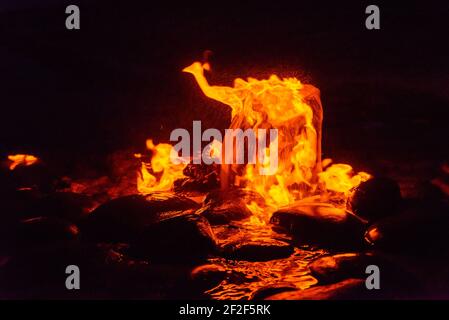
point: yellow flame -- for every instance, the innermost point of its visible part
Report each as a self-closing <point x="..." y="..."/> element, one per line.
<point x="21" y="160"/>
<point x="161" y="173"/>
<point x="295" y="110"/>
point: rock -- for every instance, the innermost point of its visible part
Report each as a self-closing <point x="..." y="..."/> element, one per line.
<point x="257" y="250"/>
<point x="267" y="291"/>
<point x="65" y="205"/>
<point x="233" y="195"/>
<point x="186" y="237"/>
<point x="397" y="278"/>
<point x="419" y="232"/>
<point x="376" y="198"/>
<point x="37" y="232"/>
<point x="222" y="207"/>
<point x="320" y="224"/>
<point x="16" y="203"/>
<point x="126" y="217"/>
<point x="331" y="269"/>
<point x="225" y="212"/>
<point x="38" y="176"/>
<point x="199" y="177"/>
<point x="350" y="289"/>
<point x="208" y="276"/>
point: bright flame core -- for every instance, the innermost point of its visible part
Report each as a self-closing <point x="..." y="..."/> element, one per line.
<point x="161" y="173"/>
<point x="21" y="160"/>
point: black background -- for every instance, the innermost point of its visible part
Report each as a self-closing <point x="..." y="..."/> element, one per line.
<point x="118" y="80"/>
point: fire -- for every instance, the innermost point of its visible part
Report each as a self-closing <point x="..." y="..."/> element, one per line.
<point x="295" y="110"/>
<point x="21" y="160"/>
<point x="161" y="173"/>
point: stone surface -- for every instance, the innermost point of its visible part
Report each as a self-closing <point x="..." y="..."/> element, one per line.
<point x="320" y="224"/>
<point x="208" y="276"/>
<point x="419" y="232"/>
<point x="233" y="195"/>
<point x="271" y="290"/>
<point x="199" y="177"/>
<point x="124" y="218"/>
<point x="64" y="205"/>
<point x="350" y="289"/>
<point x="187" y="237"/>
<point x="225" y="212"/>
<point x="331" y="269"/>
<point x="376" y="198"/>
<point x="37" y="232"/>
<point x="257" y="250"/>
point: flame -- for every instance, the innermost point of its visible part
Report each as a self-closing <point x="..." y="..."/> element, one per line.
<point x="295" y="110"/>
<point x="21" y="160"/>
<point x="161" y="173"/>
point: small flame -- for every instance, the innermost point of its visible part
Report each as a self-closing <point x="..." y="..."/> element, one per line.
<point x="161" y="173"/>
<point x="21" y="160"/>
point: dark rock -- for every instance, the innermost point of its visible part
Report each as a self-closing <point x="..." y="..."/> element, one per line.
<point x="376" y="198"/>
<point x="267" y="291"/>
<point x="37" y="232"/>
<point x="38" y="176"/>
<point x="420" y="232"/>
<point x="224" y="212"/>
<point x="124" y="218"/>
<point x="320" y="224"/>
<point x="187" y="237"/>
<point x="331" y="269"/>
<point x="105" y="273"/>
<point x="397" y="278"/>
<point x="257" y="250"/>
<point x="208" y="276"/>
<point x="65" y="205"/>
<point x="223" y="207"/>
<point x="199" y="177"/>
<point x="16" y="203"/>
<point x="350" y="289"/>
<point x="233" y="195"/>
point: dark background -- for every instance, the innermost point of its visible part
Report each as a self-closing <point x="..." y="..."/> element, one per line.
<point x="118" y="80"/>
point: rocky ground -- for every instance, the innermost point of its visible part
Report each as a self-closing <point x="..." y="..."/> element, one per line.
<point x="176" y="245"/>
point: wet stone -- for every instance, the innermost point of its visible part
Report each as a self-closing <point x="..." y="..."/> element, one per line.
<point x="208" y="276"/>
<point x="345" y="290"/>
<point x="376" y="198"/>
<point x="320" y="224"/>
<point x="257" y="250"/>
<point x="331" y="269"/>
<point x="16" y="203"/>
<point x="186" y="237"/>
<point x="126" y="217"/>
<point x="397" y="277"/>
<point x="267" y="291"/>
<point x="420" y="232"/>
<point x="37" y="232"/>
<point x="225" y="212"/>
<point x="65" y="205"/>
<point x="233" y="195"/>
<point x="199" y="177"/>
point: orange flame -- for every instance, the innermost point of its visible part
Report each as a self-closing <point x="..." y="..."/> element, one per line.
<point x="21" y="160"/>
<point x="161" y="173"/>
<point x="295" y="110"/>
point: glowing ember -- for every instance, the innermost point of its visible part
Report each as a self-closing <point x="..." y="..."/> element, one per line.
<point x="161" y="173"/>
<point x="21" y="160"/>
